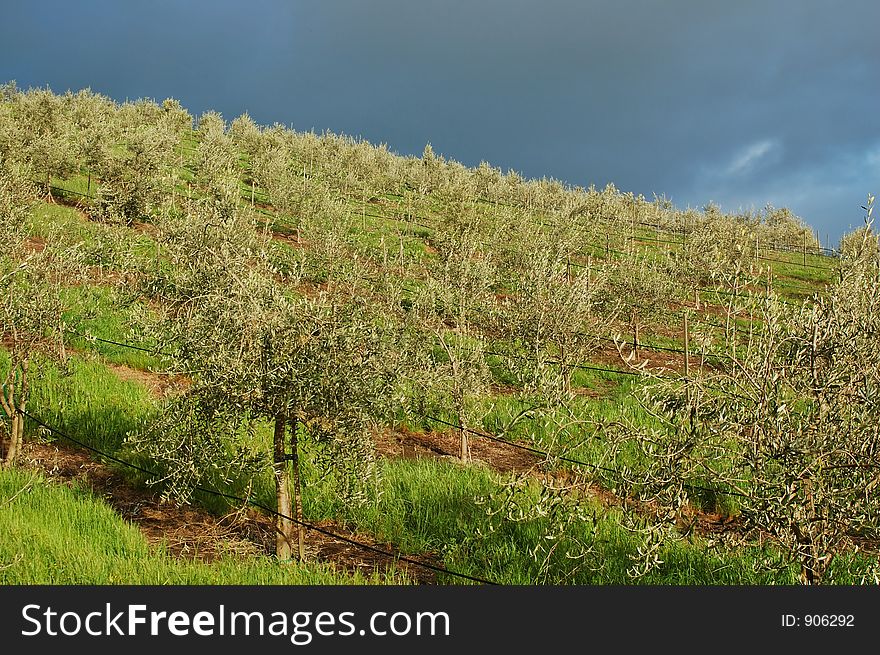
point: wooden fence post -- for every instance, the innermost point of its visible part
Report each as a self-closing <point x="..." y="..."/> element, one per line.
<point x="687" y="355"/>
<point x="635" y="334"/>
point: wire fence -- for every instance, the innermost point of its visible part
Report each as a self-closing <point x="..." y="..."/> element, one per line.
<point x="396" y="557"/>
<point x="485" y="435"/>
<point x="564" y="458"/>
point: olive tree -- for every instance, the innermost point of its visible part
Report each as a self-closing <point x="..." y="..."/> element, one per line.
<point x="216" y="164"/>
<point x="315" y="364"/>
<point x="554" y="315"/>
<point x="30" y="309"/>
<point x="133" y="176"/>
<point x="787" y="432"/>
<point x="45" y="134"/>
<point x="458" y="287"/>
<point x="94" y="133"/>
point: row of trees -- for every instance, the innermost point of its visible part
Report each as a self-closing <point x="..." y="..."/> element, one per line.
<point x="132" y="156"/>
<point x="131" y="149"/>
<point x="789" y="430"/>
<point x="300" y="343"/>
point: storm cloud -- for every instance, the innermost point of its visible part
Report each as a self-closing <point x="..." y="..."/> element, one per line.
<point x="741" y="103"/>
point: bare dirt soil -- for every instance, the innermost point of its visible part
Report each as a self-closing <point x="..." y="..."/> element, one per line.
<point x="193" y="533"/>
<point x="404" y="443"/>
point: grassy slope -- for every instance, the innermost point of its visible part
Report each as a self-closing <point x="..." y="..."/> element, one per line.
<point x="424" y="506"/>
<point x="64" y="535"/>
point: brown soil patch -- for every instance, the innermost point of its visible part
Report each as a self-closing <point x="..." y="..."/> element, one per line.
<point x="98" y="275"/>
<point x="655" y="361"/>
<point x="72" y="200"/>
<point x="401" y="442"/>
<point x="158" y="384"/>
<point x="35" y="244"/>
<point x="145" y="228"/>
<point x="192" y="533"/>
<point x="499" y="389"/>
<point x="292" y="240"/>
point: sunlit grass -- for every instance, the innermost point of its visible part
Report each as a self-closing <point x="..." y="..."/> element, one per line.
<point x="57" y="534"/>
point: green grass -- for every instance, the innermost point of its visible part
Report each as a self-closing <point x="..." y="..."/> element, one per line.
<point x="89" y="402"/>
<point x="109" y="246"/>
<point x="101" y="312"/>
<point x="78" y="184"/>
<point x="55" y="534"/>
<point x="421" y="506"/>
<point x="430" y="506"/>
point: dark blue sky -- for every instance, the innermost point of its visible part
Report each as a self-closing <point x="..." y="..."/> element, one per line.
<point x="743" y="103"/>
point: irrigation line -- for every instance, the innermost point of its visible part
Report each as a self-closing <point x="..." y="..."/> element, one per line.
<point x="353" y="212"/>
<point x="530" y="449"/>
<point x="585" y="367"/>
<point x="588" y="367"/>
<point x="796" y="250"/>
<point x="595" y="467"/>
<point x="221" y="494"/>
<point x="89" y="337"/>
<point x="629" y="236"/>
<point x="453" y="425"/>
<point x="63" y="190"/>
<point x="647" y="346"/>
<point x="697" y="319"/>
<point x="601" y="247"/>
<point x="801" y="264"/>
<point x="746" y="291"/>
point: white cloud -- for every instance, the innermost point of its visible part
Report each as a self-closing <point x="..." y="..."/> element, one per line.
<point x="751" y="156"/>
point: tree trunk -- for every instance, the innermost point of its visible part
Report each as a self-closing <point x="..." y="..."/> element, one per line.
<point x="9" y="450"/>
<point x="566" y="371"/>
<point x="297" y="493"/>
<point x="15" y="411"/>
<point x="7" y="401"/>
<point x="808" y="575"/>
<point x="635" y="326"/>
<point x="465" y="451"/>
<point x="15" y="441"/>
<point x="283" y="523"/>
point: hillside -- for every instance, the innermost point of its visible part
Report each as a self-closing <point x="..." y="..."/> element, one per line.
<point x="404" y="369"/>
